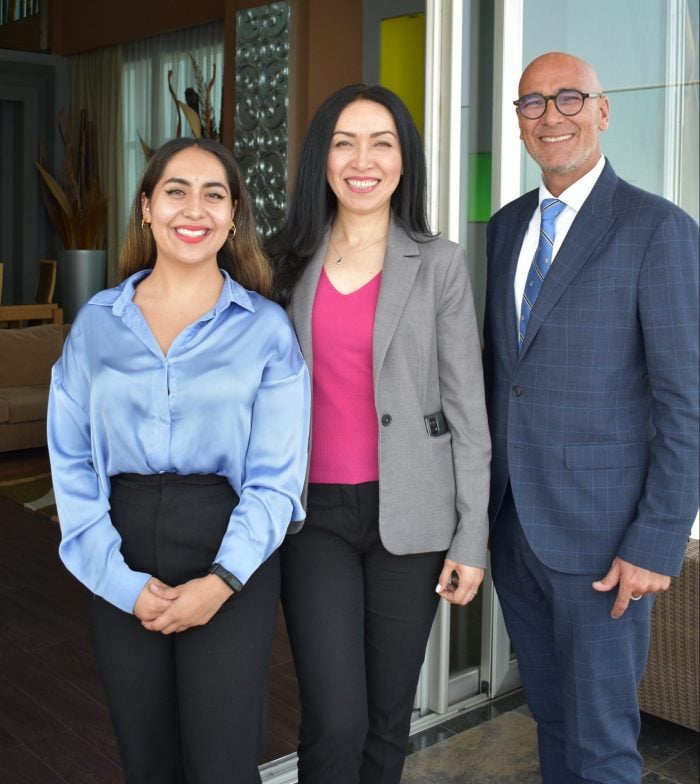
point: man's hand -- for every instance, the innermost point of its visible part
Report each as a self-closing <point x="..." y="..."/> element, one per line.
<point x="459" y="583"/>
<point x="634" y="583"/>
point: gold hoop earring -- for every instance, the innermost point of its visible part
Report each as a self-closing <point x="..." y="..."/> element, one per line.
<point x="232" y="231"/>
<point x="145" y="226"/>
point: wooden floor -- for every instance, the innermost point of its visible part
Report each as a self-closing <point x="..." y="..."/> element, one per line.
<point x="54" y="726"/>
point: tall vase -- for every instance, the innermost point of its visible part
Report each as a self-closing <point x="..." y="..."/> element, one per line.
<point x="81" y="273"/>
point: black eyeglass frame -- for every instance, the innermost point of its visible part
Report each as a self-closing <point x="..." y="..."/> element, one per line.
<point x="555" y="98"/>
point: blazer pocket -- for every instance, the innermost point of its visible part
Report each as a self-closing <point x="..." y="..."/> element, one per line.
<point x="440" y="465"/>
<point x="589" y="457"/>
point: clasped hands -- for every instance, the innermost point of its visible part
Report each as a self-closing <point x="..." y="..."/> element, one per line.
<point x="166" y="609"/>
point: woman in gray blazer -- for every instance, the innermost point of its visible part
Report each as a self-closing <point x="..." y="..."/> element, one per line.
<point x="399" y="461"/>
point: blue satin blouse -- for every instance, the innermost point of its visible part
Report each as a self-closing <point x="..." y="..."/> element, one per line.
<point x="231" y="397"/>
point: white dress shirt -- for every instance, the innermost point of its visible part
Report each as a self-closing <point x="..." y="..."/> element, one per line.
<point x="574" y="197"/>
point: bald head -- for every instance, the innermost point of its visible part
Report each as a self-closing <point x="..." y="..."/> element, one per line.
<point x="557" y="65"/>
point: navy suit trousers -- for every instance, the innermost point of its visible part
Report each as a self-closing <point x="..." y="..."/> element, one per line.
<point x="580" y="668"/>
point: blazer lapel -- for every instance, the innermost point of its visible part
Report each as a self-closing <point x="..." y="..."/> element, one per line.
<point x="401" y="264"/>
<point x="301" y="306"/>
<point x="507" y="296"/>
<point x="586" y="233"/>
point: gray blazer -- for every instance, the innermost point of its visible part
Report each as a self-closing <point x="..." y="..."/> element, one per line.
<point x="433" y="491"/>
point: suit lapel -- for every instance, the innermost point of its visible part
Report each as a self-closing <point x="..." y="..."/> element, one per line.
<point x="514" y="243"/>
<point x="587" y="232"/>
<point x="401" y="265"/>
<point x="301" y="307"/>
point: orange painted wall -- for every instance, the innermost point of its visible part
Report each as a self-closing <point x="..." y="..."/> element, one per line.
<point x="335" y="47"/>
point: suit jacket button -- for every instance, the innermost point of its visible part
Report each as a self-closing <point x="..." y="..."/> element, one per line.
<point x="517" y="391"/>
<point x="386" y="419"/>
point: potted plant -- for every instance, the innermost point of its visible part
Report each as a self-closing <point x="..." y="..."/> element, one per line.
<point x="197" y="108"/>
<point x="77" y="209"/>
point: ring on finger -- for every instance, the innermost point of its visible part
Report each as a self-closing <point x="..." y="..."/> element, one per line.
<point x="636" y="598"/>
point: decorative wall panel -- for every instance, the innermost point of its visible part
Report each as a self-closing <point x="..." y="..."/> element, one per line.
<point x="262" y="100"/>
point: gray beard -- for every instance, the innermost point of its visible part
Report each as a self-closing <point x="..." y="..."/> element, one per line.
<point x="563" y="169"/>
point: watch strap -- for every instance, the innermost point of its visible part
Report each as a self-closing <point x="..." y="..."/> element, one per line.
<point x="230" y="579"/>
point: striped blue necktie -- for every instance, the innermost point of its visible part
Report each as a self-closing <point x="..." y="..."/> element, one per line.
<point x="550" y="209"/>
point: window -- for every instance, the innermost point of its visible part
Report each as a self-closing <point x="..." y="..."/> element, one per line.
<point x="646" y="56"/>
<point x="148" y="109"/>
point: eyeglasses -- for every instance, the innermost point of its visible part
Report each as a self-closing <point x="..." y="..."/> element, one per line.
<point x="568" y="102"/>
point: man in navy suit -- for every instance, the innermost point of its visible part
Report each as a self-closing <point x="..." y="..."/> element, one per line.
<point x="594" y="422"/>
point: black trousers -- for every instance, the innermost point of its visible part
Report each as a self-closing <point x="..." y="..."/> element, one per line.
<point x="358" y="619"/>
<point x="187" y="708"/>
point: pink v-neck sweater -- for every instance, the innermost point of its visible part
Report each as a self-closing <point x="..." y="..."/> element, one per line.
<point x="344" y="418"/>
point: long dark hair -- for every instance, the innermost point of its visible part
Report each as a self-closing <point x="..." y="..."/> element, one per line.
<point x="312" y="203"/>
<point x="242" y="257"/>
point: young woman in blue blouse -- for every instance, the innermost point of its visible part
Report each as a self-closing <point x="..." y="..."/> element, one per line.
<point x="178" y="426"/>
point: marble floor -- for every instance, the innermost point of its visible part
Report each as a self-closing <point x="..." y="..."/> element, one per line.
<point x="496" y="744"/>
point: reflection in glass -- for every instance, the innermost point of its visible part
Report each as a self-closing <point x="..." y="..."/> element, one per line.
<point x="465" y="636"/>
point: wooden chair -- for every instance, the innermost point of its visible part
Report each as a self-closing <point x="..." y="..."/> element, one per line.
<point x="46" y="282"/>
<point x="45" y="288"/>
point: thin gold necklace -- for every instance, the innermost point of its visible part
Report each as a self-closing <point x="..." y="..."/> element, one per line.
<point x="352" y="252"/>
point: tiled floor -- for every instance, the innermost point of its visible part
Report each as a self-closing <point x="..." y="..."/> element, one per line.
<point x="496" y="744"/>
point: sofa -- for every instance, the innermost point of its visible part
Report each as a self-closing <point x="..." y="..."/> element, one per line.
<point x="670" y="687"/>
<point x="26" y="357"/>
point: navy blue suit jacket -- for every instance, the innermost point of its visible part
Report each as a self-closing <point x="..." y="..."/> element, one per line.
<point x="595" y="421"/>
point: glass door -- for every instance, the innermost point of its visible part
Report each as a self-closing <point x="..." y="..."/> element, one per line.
<point x="472" y="53"/>
<point x="475" y="53"/>
<point x="469" y="658"/>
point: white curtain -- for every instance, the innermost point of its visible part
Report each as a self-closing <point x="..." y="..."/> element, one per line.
<point x="147" y="106"/>
<point x="95" y="86"/>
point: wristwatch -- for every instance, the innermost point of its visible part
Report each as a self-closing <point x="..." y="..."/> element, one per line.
<point x="230" y="579"/>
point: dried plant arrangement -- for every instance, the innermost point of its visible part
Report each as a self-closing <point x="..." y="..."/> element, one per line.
<point x="197" y="107"/>
<point x="74" y="201"/>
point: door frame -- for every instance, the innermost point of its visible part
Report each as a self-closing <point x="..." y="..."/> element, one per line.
<point x="439" y="693"/>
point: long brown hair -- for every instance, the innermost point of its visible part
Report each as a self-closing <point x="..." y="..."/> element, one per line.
<point x="242" y="257"/>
